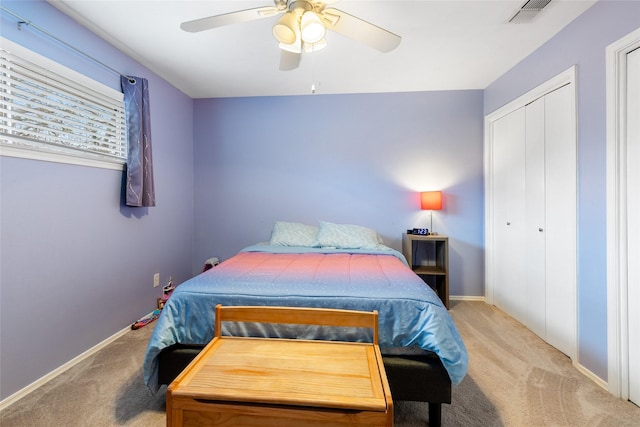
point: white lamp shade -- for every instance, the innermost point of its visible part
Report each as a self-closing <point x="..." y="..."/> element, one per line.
<point x="285" y="30"/>
<point x="311" y="28"/>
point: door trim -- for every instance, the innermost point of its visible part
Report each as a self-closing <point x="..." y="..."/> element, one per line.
<point x="562" y="79"/>
<point x="617" y="254"/>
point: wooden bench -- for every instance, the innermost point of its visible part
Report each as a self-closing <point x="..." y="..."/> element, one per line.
<point x="284" y="382"/>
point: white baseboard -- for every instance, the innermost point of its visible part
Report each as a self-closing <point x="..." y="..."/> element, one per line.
<point x="51" y="375"/>
<point x="467" y="298"/>
<point x="593" y="377"/>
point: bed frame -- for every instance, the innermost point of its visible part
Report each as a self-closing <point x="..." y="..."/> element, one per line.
<point x="417" y="377"/>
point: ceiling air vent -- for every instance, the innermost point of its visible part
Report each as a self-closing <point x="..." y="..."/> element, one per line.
<point x="528" y="11"/>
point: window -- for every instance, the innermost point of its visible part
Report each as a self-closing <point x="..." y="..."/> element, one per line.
<point x="50" y="112"/>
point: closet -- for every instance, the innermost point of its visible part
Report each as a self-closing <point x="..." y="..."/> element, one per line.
<point x="532" y="214"/>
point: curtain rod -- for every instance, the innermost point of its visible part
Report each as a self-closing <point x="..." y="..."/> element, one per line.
<point x="23" y="21"/>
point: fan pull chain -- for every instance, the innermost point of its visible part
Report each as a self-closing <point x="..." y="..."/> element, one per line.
<point x="313" y="74"/>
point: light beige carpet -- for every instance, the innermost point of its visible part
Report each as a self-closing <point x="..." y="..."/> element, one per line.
<point x="514" y="379"/>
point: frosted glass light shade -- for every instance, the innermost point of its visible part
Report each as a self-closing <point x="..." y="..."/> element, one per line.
<point x="311" y="28"/>
<point x="296" y="46"/>
<point x="285" y="29"/>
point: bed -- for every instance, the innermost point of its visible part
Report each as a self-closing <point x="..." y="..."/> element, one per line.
<point x="330" y="266"/>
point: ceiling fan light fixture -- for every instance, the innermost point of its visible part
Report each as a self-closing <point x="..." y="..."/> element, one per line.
<point x="303" y="26"/>
<point x="285" y="29"/>
<point x="311" y="27"/>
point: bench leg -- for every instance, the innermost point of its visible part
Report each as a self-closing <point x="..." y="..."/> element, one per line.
<point x="435" y="414"/>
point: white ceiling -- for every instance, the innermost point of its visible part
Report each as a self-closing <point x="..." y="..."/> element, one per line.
<point x="446" y="45"/>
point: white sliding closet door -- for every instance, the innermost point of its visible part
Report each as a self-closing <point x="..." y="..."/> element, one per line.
<point x="633" y="220"/>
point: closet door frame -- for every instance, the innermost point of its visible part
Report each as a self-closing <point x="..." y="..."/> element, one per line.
<point x="562" y="79"/>
<point x="617" y="251"/>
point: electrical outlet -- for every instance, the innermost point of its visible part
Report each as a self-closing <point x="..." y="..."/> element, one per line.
<point x="156" y="280"/>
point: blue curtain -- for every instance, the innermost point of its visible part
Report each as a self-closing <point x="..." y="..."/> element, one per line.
<point x="139" y="180"/>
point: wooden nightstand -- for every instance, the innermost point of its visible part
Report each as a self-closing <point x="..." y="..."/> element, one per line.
<point x="428" y="257"/>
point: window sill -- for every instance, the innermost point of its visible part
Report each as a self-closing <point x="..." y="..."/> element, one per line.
<point x="60" y="158"/>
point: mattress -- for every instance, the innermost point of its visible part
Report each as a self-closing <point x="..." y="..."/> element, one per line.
<point x="410" y="313"/>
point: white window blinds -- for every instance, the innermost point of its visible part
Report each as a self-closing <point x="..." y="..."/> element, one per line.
<point x="48" y="108"/>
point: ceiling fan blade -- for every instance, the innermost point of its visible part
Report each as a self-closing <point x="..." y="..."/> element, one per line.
<point x="360" y="30"/>
<point x="289" y="60"/>
<point x="216" y="21"/>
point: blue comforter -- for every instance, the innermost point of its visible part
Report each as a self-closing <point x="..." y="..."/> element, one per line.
<point x="410" y="313"/>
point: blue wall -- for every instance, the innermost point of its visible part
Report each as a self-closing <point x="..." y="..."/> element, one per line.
<point x="357" y="159"/>
<point x="583" y="42"/>
<point x="76" y="266"/>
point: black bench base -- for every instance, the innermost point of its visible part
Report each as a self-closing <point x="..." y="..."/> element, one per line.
<point x="420" y="378"/>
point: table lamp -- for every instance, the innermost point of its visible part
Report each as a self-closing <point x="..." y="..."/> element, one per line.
<point x="431" y="201"/>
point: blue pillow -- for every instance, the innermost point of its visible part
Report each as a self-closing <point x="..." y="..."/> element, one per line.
<point x="347" y="236"/>
<point x="293" y="234"/>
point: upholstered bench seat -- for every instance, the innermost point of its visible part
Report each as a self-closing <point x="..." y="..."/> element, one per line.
<point x="420" y="378"/>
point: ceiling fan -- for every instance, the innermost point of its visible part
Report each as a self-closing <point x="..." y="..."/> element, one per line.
<point x="302" y="27"/>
